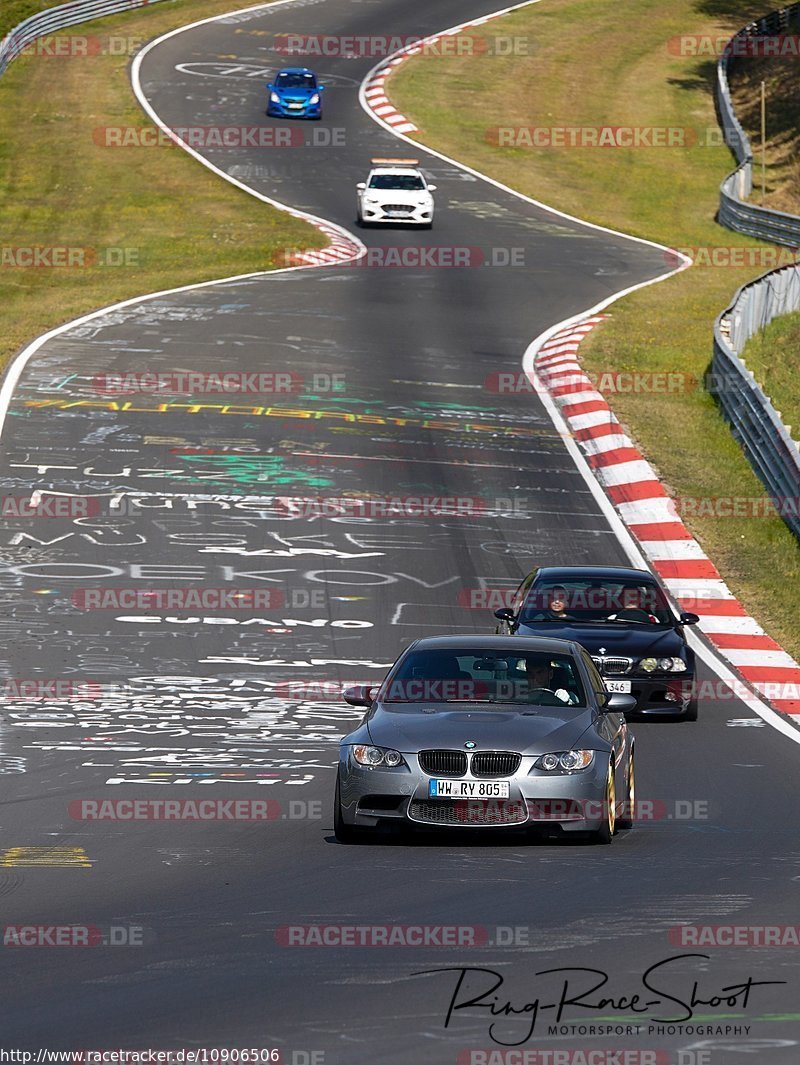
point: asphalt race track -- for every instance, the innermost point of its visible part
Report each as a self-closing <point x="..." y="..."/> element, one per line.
<point x="190" y="704"/>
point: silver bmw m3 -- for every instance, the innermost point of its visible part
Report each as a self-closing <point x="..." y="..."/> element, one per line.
<point x="493" y="732"/>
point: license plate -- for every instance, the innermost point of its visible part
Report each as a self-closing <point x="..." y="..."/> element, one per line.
<point x="295" y="107"/>
<point x="620" y="687"/>
<point x="468" y="789"/>
<point x="396" y="214"/>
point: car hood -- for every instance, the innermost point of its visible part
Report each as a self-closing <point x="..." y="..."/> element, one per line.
<point x="618" y="638"/>
<point x="397" y="195"/>
<point x="528" y="730"/>
<point x="296" y="94"/>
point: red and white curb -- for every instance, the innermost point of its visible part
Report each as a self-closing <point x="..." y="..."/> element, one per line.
<point x="374" y="89"/>
<point x="341" y="248"/>
<point x="377" y="100"/>
<point x="650" y="514"/>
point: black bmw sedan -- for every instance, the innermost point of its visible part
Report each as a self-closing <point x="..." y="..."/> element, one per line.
<point x="623" y="619"/>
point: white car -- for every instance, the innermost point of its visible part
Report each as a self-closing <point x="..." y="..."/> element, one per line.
<point x="395" y="192"/>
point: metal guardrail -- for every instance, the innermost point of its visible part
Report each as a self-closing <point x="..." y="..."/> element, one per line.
<point x="58" y="18"/>
<point x="757" y="426"/>
<point x="734" y="210"/>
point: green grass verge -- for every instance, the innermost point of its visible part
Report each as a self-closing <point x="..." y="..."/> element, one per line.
<point x="772" y="357"/>
<point x="13" y="12"/>
<point x="592" y="63"/>
<point x="163" y="215"/>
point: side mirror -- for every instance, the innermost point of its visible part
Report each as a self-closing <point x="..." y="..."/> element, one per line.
<point x="687" y="618"/>
<point x="617" y="703"/>
<point x="504" y="613"/>
<point x="431" y="188"/>
<point x="320" y="88"/>
<point x="359" y="694"/>
<point x="361" y="185"/>
<point x="270" y="85"/>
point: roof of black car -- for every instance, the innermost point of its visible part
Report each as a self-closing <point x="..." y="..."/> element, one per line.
<point x="517" y="644"/>
<point x="560" y="573"/>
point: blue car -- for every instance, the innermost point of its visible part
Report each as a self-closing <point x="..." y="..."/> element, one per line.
<point x="295" y="93"/>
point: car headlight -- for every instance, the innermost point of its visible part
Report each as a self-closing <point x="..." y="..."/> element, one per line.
<point x="372" y="199"/>
<point x="663" y="665"/>
<point x="564" y="761"/>
<point x="274" y="98"/>
<point x="314" y="99"/>
<point x="375" y="756"/>
<point x="672" y="665"/>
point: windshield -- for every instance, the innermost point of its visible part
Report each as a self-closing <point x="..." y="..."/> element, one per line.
<point x="598" y="601"/>
<point x="478" y="676"/>
<point x="405" y="182"/>
<point x="296" y="81"/>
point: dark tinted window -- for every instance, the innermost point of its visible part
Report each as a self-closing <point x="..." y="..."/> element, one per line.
<point x="296" y="81"/>
<point x="631" y="602"/>
<point x="404" y="182"/>
<point x="480" y="676"/>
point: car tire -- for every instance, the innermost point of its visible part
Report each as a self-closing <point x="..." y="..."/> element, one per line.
<point x="690" y="713"/>
<point x="344" y="833"/>
<point x="605" y="833"/>
<point x="626" y="819"/>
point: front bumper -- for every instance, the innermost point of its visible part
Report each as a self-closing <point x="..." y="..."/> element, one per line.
<point x="282" y="110"/>
<point x="372" y="797"/>
<point x="665" y="695"/>
<point x="383" y="214"/>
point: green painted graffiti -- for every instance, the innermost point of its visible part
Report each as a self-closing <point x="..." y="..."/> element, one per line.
<point x="244" y="469"/>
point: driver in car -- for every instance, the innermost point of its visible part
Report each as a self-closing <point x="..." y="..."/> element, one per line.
<point x="542" y="677"/>
<point x="556" y="609"/>
<point x="633" y="607"/>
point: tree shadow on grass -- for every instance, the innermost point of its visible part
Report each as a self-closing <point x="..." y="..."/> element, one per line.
<point x="703" y="77"/>
<point x="736" y="12"/>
